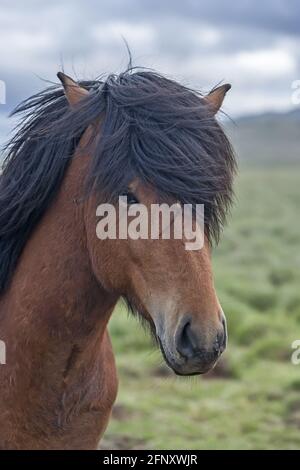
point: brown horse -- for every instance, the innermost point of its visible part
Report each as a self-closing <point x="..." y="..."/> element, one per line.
<point x="77" y="146"/>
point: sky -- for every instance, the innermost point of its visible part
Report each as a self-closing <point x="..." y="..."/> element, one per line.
<point x="252" y="44"/>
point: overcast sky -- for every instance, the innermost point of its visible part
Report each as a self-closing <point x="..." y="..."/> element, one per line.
<point x="252" y="44"/>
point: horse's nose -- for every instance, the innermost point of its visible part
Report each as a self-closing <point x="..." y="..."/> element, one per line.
<point x="192" y="346"/>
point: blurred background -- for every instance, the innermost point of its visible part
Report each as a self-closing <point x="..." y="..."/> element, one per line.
<point x="252" y="398"/>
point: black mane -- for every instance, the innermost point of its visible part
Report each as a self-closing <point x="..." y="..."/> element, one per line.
<point x="152" y="127"/>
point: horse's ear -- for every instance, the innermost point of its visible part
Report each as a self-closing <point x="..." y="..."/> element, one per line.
<point x="74" y="93"/>
<point x="216" y="97"/>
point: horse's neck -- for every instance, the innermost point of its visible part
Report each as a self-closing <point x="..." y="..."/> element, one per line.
<point x="54" y="315"/>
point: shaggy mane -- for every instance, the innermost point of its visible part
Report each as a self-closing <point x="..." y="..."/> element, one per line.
<point x="152" y="128"/>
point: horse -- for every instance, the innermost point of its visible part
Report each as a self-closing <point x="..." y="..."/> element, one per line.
<point x="79" y="144"/>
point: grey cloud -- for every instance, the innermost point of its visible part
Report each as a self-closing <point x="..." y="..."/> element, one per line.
<point x="196" y="41"/>
<point x="278" y="15"/>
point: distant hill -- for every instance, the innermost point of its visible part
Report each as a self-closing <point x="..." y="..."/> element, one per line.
<point x="267" y="139"/>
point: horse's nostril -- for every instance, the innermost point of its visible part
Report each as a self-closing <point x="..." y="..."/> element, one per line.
<point x="224" y="343"/>
<point x="192" y="345"/>
<point x="219" y="344"/>
<point x="185" y="341"/>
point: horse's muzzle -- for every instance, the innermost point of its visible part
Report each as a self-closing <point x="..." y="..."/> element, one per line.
<point x="191" y="352"/>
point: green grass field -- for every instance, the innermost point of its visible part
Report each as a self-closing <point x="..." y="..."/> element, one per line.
<point x="252" y="399"/>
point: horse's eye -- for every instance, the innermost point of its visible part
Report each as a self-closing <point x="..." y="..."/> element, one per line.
<point x="131" y="199"/>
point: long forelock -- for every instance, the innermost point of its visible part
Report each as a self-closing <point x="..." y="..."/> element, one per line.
<point x="165" y="134"/>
